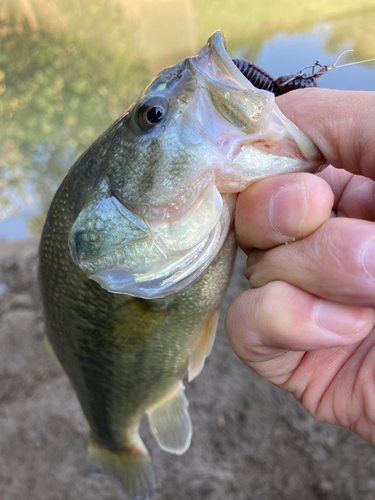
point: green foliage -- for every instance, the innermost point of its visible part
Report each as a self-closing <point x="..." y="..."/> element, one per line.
<point x="59" y="90"/>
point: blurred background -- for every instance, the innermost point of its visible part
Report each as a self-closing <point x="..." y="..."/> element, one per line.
<point x="68" y="68"/>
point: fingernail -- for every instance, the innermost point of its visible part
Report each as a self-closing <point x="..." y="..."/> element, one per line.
<point x="339" y="319"/>
<point x="368" y="259"/>
<point x="288" y="209"/>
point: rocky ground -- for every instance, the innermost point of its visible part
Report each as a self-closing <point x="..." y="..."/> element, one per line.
<point x="251" y="441"/>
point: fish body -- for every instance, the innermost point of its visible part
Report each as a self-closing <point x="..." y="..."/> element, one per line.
<point x="138" y="249"/>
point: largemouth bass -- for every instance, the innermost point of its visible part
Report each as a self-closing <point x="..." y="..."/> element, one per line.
<point x="138" y="250"/>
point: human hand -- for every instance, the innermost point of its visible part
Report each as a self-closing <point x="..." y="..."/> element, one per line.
<point x="307" y="324"/>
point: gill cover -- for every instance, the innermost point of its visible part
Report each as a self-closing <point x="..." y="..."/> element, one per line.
<point x="125" y="253"/>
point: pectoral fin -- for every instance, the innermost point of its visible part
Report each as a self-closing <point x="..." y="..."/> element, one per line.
<point x="170" y="423"/>
<point x="204" y="345"/>
<point x="49" y="349"/>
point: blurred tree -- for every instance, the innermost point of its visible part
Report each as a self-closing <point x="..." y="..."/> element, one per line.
<point x="61" y="84"/>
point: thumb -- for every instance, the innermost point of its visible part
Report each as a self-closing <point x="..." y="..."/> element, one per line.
<point x="340" y="123"/>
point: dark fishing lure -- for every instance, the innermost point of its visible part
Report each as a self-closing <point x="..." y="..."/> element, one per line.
<point x="286" y="83"/>
<point x="278" y="86"/>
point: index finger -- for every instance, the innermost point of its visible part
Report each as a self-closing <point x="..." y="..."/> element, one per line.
<point x="340" y="123"/>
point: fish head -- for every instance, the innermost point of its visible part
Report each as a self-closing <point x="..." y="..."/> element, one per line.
<point x="163" y="201"/>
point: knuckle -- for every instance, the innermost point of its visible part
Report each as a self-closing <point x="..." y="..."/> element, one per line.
<point x="239" y="324"/>
<point x="270" y="300"/>
<point x="249" y="314"/>
<point x="254" y="257"/>
<point x="258" y="267"/>
<point x="343" y="245"/>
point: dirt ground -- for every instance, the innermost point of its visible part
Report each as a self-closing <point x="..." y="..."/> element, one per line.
<point x="251" y="441"/>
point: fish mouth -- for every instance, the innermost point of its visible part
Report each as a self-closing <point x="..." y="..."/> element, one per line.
<point x="251" y="110"/>
<point x="214" y="62"/>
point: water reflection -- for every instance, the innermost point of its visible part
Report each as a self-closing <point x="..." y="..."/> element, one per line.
<point x="68" y="68"/>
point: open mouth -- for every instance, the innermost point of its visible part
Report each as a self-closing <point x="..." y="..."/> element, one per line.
<point x="250" y="109"/>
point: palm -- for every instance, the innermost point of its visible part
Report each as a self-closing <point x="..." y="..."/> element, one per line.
<point x="337" y="385"/>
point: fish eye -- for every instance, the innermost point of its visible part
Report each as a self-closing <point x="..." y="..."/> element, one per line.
<point x="152" y="112"/>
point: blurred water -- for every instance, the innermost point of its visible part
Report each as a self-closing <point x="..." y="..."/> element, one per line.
<point x="68" y="68"/>
<point x="288" y="54"/>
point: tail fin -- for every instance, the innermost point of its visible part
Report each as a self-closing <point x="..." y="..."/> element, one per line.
<point x="132" y="466"/>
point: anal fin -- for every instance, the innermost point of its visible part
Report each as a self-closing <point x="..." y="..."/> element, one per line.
<point x="170" y="423"/>
<point x="132" y="467"/>
<point x="204" y="345"/>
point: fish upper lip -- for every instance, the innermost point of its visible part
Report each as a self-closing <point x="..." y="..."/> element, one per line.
<point x="216" y="48"/>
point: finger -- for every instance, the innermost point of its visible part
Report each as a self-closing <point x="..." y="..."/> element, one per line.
<point x="271" y="328"/>
<point x="337" y="262"/>
<point x="353" y="194"/>
<point x="340" y="123"/>
<point x="281" y="209"/>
